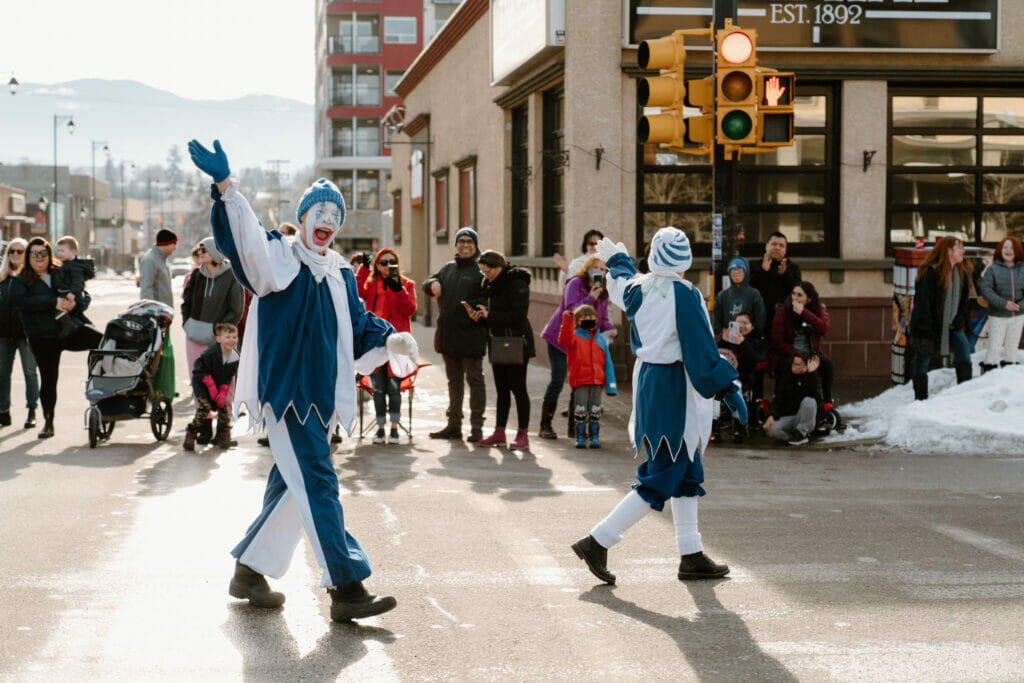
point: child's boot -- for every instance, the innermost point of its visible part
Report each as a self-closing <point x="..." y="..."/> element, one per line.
<point x="223" y="438"/>
<point x="581" y="435"/>
<point x="191" y="432"/>
<point x="205" y="432"/>
<point x="595" y="442"/>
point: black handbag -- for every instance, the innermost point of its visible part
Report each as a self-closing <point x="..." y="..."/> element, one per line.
<point x="508" y="350"/>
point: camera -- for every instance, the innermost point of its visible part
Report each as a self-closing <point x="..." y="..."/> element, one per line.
<point x="393" y="271"/>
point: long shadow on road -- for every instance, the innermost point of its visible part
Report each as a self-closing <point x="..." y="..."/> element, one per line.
<point x="516" y="477"/>
<point x="25" y="455"/>
<point x="716" y="643"/>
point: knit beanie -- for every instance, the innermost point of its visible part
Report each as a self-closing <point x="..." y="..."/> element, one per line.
<point x="739" y="262"/>
<point x="211" y="248"/>
<point x="469" y="232"/>
<point x="322" y="190"/>
<point x="165" y="237"/>
<point x="670" y="251"/>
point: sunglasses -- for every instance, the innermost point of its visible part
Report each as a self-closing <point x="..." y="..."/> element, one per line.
<point x="16" y="251"/>
<point x="38" y="253"/>
<point x="387" y="262"/>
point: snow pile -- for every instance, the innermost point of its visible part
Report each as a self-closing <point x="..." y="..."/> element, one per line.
<point x="984" y="415"/>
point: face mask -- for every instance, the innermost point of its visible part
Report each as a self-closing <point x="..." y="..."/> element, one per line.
<point x="320" y="224"/>
<point x="588" y="324"/>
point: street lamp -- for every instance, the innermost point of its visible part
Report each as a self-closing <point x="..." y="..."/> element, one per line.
<point x="57" y="118"/>
<point x="13" y="84"/>
<point x="92" y="179"/>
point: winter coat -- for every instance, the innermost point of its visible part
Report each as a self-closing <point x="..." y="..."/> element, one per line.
<point x="737" y="298"/>
<point x="216" y="299"/>
<point x="575" y="293"/>
<point x="748" y="354"/>
<point x="1001" y="283"/>
<point x="38" y="305"/>
<point x="785" y="325"/>
<point x="508" y="300"/>
<point x="926" y="316"/>
<point x="775" y="287"/>
<point x="211" y="363"/>
<point x="381" y="299"/>
<point x="457" y="334"/>
<point x="72" y="274"/>
<point x="155" y="277"/>
<point x="589" y="361"/>
<point x="11" y="326"/>
<point x="791" y="389"/>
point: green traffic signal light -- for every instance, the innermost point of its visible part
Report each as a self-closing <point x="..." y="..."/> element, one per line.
<point x="736" y="125"/>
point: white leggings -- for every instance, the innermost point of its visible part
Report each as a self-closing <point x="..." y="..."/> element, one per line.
<point x="1004" y="333"/>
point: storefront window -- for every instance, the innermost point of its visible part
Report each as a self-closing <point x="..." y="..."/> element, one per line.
<point x="792" y="190"/>
<point x="956" y="167"/>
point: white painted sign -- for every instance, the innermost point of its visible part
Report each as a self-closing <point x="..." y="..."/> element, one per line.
<point x="523" y="32"/>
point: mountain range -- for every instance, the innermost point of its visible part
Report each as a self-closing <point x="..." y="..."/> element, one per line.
<point x="140" y="124"/>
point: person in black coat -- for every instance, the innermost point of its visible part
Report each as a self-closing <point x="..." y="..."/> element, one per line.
<point x="776" y="275"/>
<point x="798" y="403"/>
<point x="939" y="315"/>
<point x="507" y="289"/>
<point x="35" y="295"/>
<point x="13" y="340"/>
<point x="459" y="340"/>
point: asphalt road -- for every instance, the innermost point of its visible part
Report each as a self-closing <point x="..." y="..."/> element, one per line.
<point x="846" y="564"/>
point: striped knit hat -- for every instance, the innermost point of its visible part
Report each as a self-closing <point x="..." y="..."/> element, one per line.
<point x="670" y="251"/>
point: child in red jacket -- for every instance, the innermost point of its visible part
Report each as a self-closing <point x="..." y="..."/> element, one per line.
<point x="590" y="370"/>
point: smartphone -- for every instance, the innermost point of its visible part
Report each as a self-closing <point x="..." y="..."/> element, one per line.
<point x="597" y="279"/>
<point x="734" y="332"/>
<point x="466" y="306"/>
<point x="393" y="271"/>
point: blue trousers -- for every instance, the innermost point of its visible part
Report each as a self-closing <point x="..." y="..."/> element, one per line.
<point x="559" y="369"/>
<point x="8" y="347"/>
<point x="660" y="478"/>
<point x="302" y="494"/>
<point x="958" y="344"/>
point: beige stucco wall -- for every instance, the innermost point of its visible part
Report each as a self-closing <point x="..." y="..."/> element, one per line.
<point x="863" y="128"/>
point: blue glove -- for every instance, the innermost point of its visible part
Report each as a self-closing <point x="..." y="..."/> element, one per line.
<point x="734" y="401"/>
<point x="214" y="163"/>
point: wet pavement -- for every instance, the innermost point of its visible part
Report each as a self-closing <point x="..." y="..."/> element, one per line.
<point x="846" y="564"/>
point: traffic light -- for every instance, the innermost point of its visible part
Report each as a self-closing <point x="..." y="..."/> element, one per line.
<point x="735" y="88"/>
<point x="774" y="108"/>
<point x="672" y="93"/>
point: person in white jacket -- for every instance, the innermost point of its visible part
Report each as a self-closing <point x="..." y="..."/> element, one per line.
<point x="312" y="334"/>
<point x="677" y="375"/>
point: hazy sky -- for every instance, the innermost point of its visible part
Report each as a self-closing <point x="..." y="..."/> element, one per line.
<point x="208" y="49"/>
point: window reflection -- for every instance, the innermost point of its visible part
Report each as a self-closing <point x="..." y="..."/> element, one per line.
<point x="932" y="188"/>
<point x="906" y="225"/>
<point x="1002" y="150"/>
<point x="1004" y="112"/>
<point x="933" y="150"/>
<point x="797" y="227"/>
<point x="925" y="111"/>
<point x="677" y="188"/>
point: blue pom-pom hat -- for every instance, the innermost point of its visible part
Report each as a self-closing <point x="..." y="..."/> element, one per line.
<point x="323" y="190"/>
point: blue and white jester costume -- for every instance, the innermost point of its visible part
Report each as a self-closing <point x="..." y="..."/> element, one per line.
<point x="677" y="375"/>
<point x="312" y="334"/>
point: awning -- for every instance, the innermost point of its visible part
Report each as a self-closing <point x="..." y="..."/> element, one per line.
<point x="22" y="219"/>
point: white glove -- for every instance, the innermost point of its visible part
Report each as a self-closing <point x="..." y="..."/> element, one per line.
<point x="403" y="344"/>
<point x="606" y="249"/>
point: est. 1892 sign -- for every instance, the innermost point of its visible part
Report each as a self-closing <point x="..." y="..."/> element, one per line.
<point x="837" y="25"/>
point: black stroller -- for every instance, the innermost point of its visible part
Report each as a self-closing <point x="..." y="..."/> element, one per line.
<point x="121" y="371"/>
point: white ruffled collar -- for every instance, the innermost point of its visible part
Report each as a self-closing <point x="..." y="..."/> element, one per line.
<point x="328" y="264"/>
<point x="660" y="283"/>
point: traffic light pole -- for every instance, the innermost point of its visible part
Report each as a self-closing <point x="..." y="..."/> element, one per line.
<point x="724" y="226"/>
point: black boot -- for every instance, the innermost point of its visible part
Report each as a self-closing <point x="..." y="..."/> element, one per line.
<point x="964" y="371"/>
<point x="189" y="444"/>
<point x="30" y="419"/>
<point x="205" y="432"/>
<point x="453" y="430"/>
<point x="355" y="602"/>
<point x="47" y="431"/>
<point x="5" y="418"/>
<point x="921" y="388"/>
<point x="596" y="557"/>
<point x="700" y="566"/>
<point x="547" y="414"/>
<point x="223" y="438"/>
<point x="1004" y="363"/>
<point x="250" y="585"/>
<point x="985" y="367"/>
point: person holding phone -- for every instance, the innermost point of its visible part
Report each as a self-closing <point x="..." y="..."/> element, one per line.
<point x="392" y="297"/>
<point x="738" y="296"/>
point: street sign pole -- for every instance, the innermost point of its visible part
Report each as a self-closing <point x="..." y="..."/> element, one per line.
<point x="724" y="174"/>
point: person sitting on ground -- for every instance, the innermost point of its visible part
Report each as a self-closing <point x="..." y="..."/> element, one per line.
<point x="70" y="278"/>
<point x="797" y="406"/>
<point x="590" y="370"/>
<point x="738" y="296"/>
<point x="211" y="383"/>
<point x="799" y="325"/>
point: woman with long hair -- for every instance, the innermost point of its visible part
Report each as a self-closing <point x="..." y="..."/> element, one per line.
<point x="13" y="339"/>
<point x="798" y="325"/>
<point x="940" y="313"/>
<point x="586" y="286"/>
<point x="36" y="297"/>
<point x="507" y="289"/>
<point x="390" y="296"/>
<point x="1002" y="285"/>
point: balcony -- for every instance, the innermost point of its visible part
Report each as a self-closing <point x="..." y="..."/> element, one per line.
<point x="360" y="45"/>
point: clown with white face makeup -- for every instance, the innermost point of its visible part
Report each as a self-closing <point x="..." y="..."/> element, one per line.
<point x="298" y="381"/>
<point x="677" y="373"/>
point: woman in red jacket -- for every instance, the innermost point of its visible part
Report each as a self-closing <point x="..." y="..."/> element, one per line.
<point x="392" y="297"/>
<point x="798" y="325"/>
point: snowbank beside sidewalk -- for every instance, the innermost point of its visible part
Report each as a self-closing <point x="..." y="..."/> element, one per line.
<point x="984" y="415"/>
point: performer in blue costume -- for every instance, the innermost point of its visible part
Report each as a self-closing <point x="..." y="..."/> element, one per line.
<point x="297" y="379"/>
<point x="677" y="375"/>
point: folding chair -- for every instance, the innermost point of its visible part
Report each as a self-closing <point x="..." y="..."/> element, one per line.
<point x="407" y="385"/>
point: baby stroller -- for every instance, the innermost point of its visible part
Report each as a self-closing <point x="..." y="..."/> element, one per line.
<point x="120" y="384"/>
